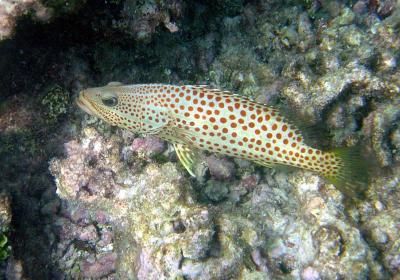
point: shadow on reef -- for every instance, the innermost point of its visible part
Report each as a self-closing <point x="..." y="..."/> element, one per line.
<point x="32" y="65"/>
<point x="39" y="60"/>
<point x="24" y="157"/>
<point x="32" y="57"/>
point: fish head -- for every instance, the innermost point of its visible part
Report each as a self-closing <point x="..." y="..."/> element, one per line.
<point x="108" y="103"/>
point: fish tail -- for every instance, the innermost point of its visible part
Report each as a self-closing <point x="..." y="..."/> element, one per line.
<point x="351" y="171"/>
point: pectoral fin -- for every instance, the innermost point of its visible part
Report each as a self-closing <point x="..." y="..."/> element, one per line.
<point x="186" y="157"/>
<point x="153" y="127"/>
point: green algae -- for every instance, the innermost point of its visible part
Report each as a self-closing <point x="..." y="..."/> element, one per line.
<point x="55" y="101"/>
<point x="5" y="248"/>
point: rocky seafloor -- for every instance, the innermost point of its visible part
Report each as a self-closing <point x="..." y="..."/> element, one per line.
<point x="80" y="199"/>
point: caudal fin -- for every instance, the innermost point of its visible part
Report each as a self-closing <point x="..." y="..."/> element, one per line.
<point x="351" y="175"/>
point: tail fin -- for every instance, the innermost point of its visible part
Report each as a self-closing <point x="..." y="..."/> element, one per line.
<point x="352" y="175"/>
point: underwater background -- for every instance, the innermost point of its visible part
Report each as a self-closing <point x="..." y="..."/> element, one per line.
<point x="80" y="199"/>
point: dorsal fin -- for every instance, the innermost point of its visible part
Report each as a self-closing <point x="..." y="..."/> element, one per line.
<point x="314" y="134"/>
<point x="215" y="90"/>
<point x="114" y="84"/>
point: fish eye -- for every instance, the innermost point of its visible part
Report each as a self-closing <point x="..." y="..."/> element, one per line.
<point x="110" y="101"/>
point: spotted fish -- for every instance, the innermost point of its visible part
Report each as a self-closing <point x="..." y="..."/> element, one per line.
<point x="199" y="118"/>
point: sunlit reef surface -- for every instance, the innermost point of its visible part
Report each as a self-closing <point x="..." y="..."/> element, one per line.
<point x="82" y="199"/>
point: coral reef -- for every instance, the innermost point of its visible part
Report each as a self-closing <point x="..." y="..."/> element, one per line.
<point x="148" y="146"/>
<point x="140" y="18"/>
<point x="170" y="234"/>
<point x="5" y="221"/>
<point x="115" y="205"/>
<point x="11" y="10"/>
<point x="5" y="212"/>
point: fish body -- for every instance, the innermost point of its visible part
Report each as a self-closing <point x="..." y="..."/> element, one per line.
<point x="197" y="117"/>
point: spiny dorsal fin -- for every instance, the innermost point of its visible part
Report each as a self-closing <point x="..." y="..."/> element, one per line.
<point x="314" y="134"/>
<point x="114" y="84"/>
<point x="215" y="90"/>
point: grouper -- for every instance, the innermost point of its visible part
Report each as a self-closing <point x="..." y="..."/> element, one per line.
<point x="196" y="117"/>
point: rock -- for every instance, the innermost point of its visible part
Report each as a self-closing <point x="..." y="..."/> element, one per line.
<point x="149" y="146"/>
<point x="259" y="260"/>
<point x="101" y="267"/>
<point x="216" y="190"/>
<point x="392" y="259"/>
<point x="361" y="7"/>
<point x="310" y="273"/>
<point x="11" y="10"/>
<point x="386" y="8"/>
<point x="377" y="126"/>
<point x="5" y="212"/>
<point x="88" y="233"/>
<point x="14" y="270"/>
<point x="141" y="19"/>
<point x="50" y="208"/>
<point x="221" y="169"/>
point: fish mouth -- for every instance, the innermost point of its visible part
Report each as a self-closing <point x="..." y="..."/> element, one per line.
<point x="84" y="104"/>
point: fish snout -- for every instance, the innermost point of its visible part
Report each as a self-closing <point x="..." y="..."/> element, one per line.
<point x="83" y="103"/>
